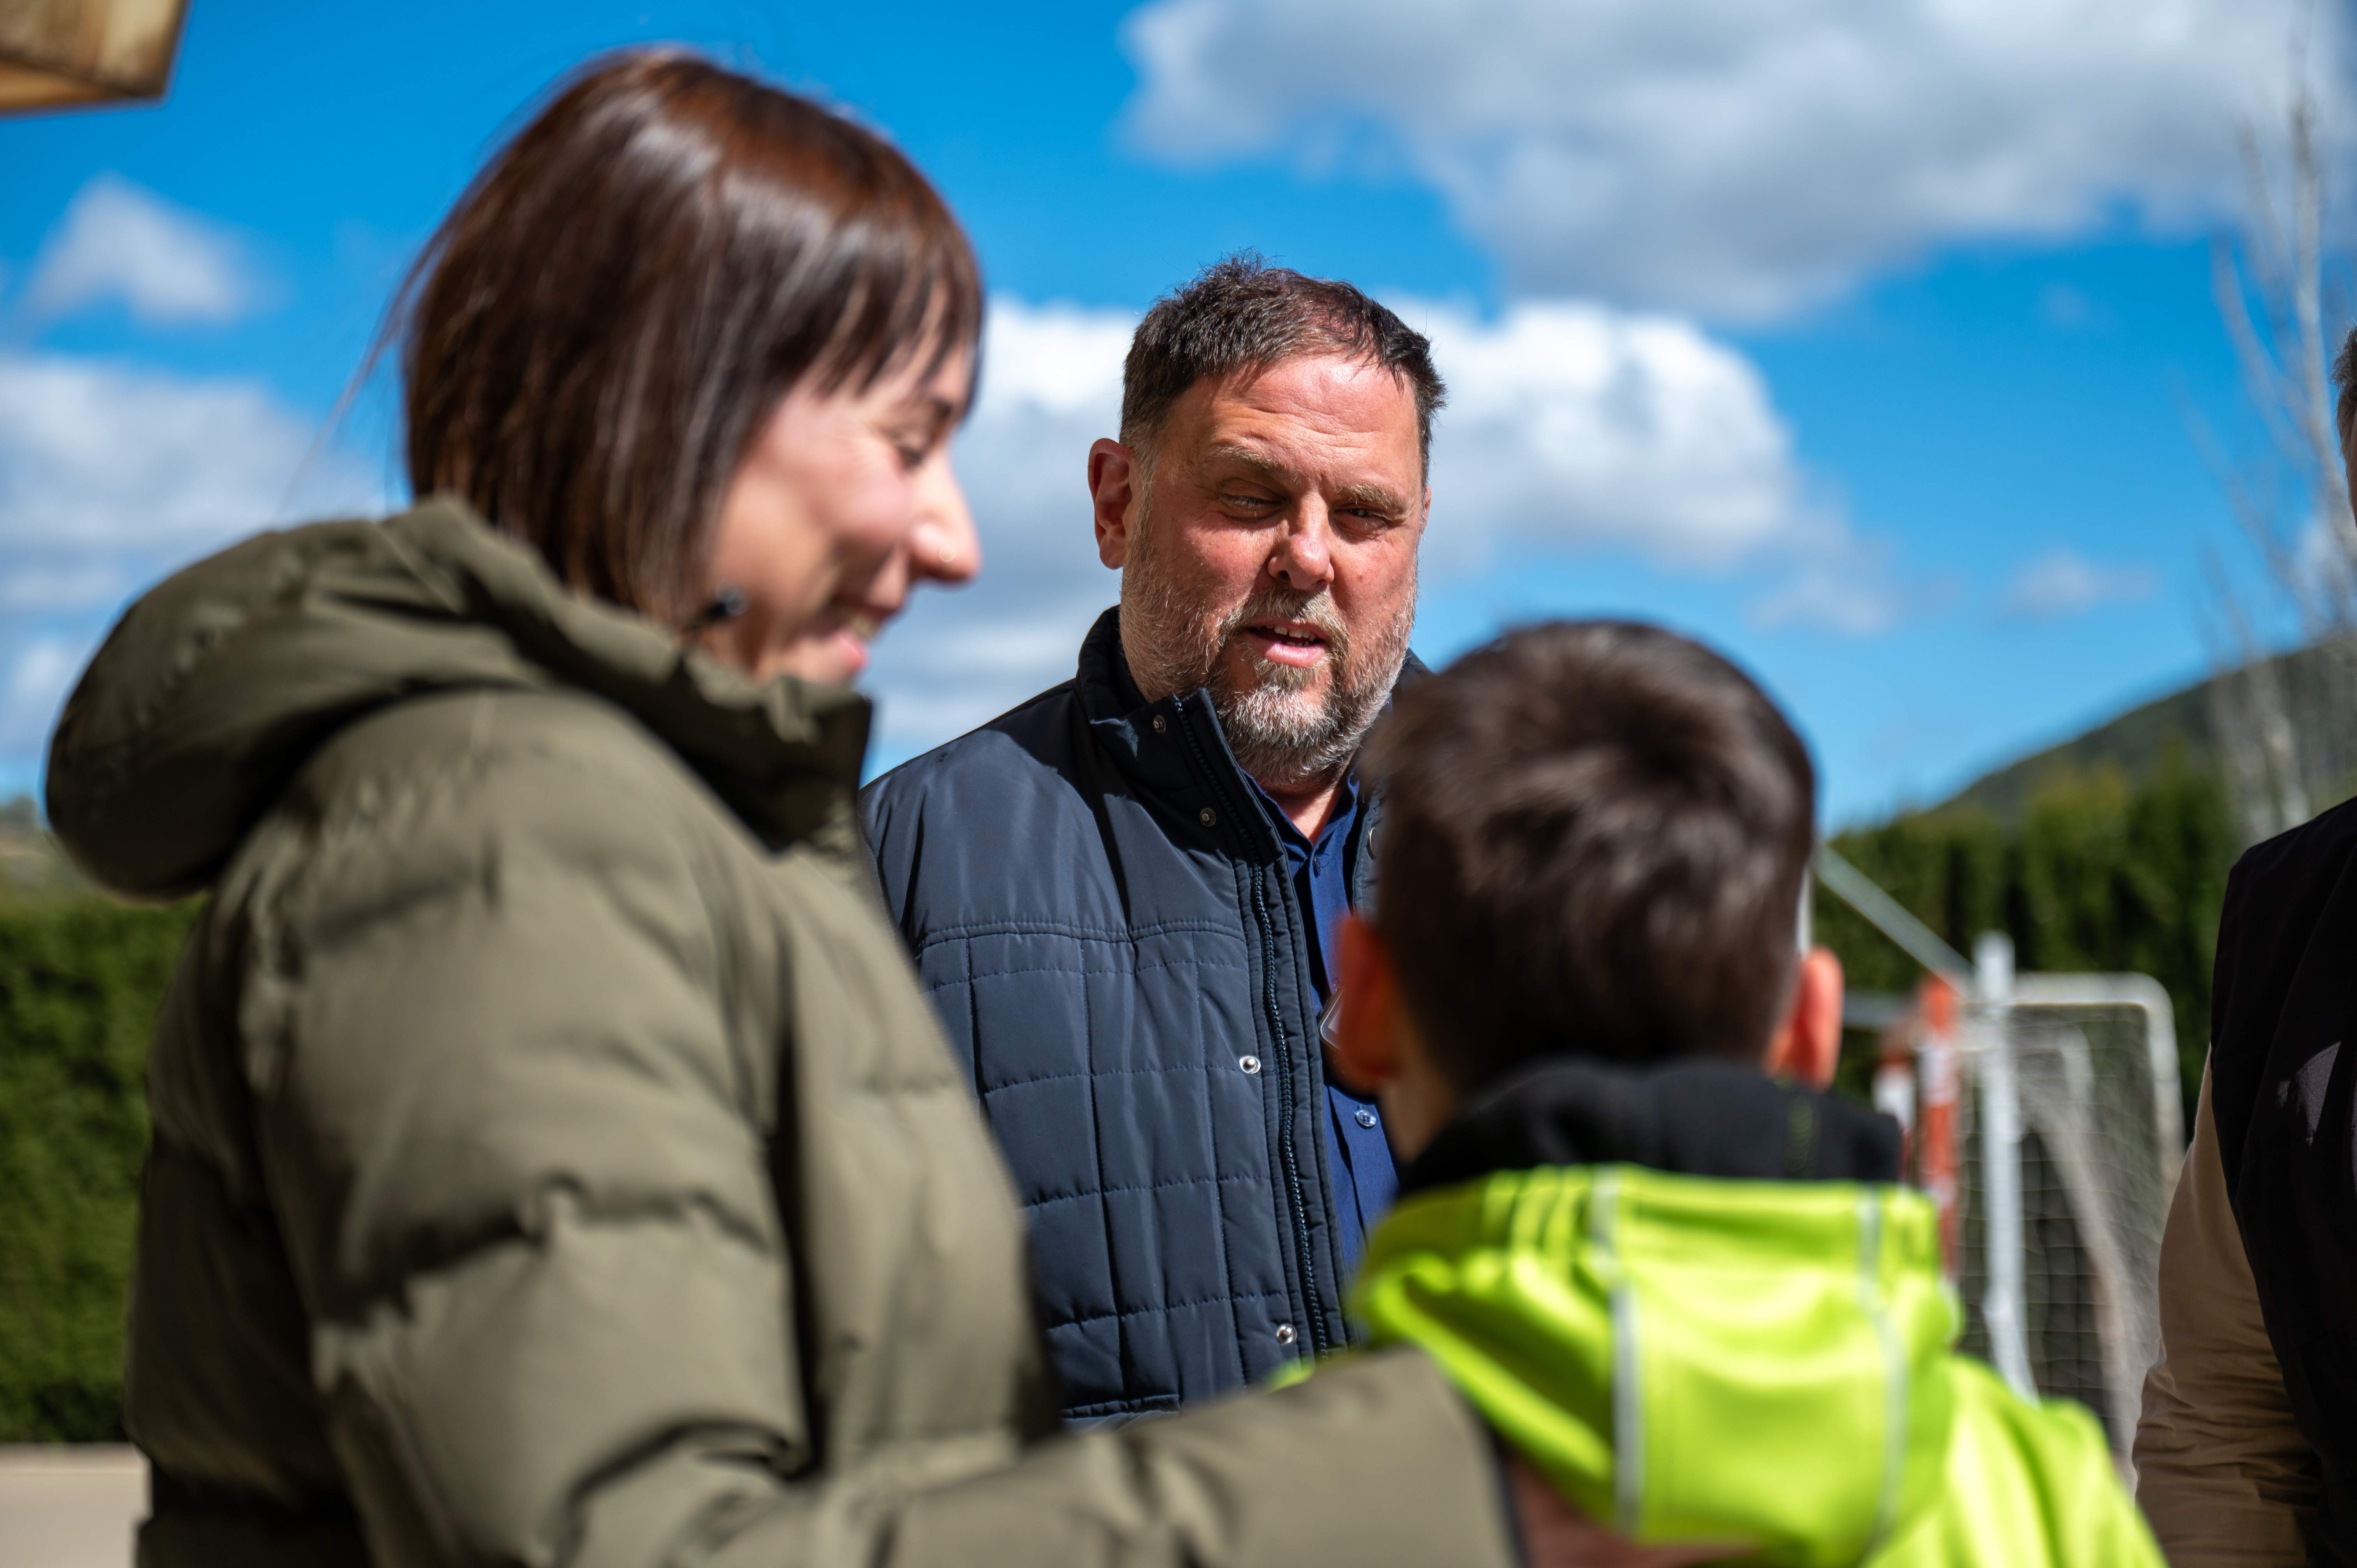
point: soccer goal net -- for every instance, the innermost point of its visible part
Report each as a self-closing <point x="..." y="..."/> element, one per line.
<point x="2068" y="1144"/>
<point x="2043" y="1116"/>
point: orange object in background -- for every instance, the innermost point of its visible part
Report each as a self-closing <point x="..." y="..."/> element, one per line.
<point x="1937" y="1075"/>
<point x="1916" y="1077"/>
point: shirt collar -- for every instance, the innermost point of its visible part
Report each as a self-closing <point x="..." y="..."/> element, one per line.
<point x="1338" y="821"/>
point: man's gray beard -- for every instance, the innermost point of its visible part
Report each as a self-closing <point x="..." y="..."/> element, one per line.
<point x="1280" y="734"/>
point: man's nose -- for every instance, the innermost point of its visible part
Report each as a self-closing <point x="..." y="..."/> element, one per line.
<point x="945" y="546"/>
<point x="1304" y="557"/>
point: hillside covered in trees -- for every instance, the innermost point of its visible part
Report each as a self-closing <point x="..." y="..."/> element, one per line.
<point x="2105" y="852"/>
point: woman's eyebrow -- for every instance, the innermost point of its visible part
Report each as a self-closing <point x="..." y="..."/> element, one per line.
<point x="935" y="412"/>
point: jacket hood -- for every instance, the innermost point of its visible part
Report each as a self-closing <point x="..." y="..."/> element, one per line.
<point x="218" y="684"/>
<point x="1762" y="1363"/>
<point x="1694" y="1117"/>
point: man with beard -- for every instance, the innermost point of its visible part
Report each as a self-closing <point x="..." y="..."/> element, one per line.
<point x="1125" y="894"/>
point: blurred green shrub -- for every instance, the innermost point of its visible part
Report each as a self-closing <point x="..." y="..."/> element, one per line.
<point x="80" y="983"/>
<point x="2099" y="873"/>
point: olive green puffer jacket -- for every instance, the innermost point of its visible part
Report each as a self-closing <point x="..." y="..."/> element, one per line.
<point x="554" y="1160"/>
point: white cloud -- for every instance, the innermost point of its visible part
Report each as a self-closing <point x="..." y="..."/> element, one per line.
<point x="1852" y="598"/>
<point x="38" y="683"/>
<point x="119" y="243"/>
<point x="1726" y="156"/>
<point x="1570" y="428"/>
<point x="1575" y="426"/>
<point x="100" y="460"/>
<point x="60" y="587"/>
<point x="112" y="474"/>
<point x="2065" y="582"/>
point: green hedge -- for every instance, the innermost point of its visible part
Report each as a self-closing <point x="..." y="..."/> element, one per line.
<point x="2098" y="874"/>
<point x="80" y="983"/>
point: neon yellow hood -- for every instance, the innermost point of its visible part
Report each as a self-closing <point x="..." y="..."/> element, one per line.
<point x="1759" y="1363"/>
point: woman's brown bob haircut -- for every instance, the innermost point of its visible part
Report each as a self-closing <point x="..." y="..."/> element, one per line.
<point x="598" y="331"/>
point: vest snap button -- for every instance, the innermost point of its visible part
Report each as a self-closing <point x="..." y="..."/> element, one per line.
<point x="1160" y="724"/>
<point x="1207" y="816"/>
<point x="1250" y="1064"/>
<point x="1284" y="1334"/>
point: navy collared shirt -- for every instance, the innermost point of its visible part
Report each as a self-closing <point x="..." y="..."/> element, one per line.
<point x="1365" y="1180"/>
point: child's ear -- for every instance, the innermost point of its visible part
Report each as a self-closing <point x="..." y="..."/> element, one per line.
<point x="1806" y="1046"/>
<point x="1366" y="1037"/>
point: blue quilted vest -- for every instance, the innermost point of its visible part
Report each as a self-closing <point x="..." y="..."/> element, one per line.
<point x="1097" y="902"/>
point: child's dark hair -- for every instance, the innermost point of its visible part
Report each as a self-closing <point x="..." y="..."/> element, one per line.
<point x="1594" y="838"/>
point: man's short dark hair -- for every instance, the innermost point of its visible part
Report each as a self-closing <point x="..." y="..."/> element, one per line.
<point x="1594" y="837"/>
<point x="2344" y="376"/>
<point x="1242" y="315"/>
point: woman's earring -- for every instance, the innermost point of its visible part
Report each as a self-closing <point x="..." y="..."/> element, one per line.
<point x="727" y="605"/>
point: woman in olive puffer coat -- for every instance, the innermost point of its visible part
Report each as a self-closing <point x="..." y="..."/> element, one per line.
<point x="554" y="1160"/>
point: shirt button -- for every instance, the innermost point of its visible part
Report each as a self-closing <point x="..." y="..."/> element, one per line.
<point x="1250" y="1064"/>
<point x="1284" y="1334"/>
<point x="1207" y="816"/>
<point x="1364" y="1117"/>
<point x="1160" y="724"/>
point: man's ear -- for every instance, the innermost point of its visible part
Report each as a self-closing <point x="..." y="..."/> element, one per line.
<point x="1366" y="1037"/>
<point x="1806" y="1046"/>
<point x="1112" y="486"/>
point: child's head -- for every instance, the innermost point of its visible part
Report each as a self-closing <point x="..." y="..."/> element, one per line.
<point x="1595" y="840"/>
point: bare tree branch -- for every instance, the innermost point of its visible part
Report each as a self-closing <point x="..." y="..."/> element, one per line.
<point x="2286" y="725"/>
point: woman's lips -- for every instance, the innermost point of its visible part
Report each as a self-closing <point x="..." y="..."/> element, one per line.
<point x="837" y="647"/>
<point x="851" y="651"/>
<point x="857" y="630"/>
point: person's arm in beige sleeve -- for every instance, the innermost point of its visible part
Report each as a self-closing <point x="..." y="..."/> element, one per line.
<point x="2223" y="1473"/>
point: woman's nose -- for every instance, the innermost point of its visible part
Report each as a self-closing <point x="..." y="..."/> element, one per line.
<point x="944" y="548"/>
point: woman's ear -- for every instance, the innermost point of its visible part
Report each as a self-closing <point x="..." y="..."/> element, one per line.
<point x="1366" y="1033"/>
<point x="1806" y="1046"/>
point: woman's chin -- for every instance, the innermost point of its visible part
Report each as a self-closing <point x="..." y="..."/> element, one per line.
<point x="835" y="658"/>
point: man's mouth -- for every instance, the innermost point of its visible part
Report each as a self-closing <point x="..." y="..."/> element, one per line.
<point x="1288" y="641"/>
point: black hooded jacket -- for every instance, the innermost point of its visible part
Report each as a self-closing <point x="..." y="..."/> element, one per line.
<point x="2285" y="1001"/>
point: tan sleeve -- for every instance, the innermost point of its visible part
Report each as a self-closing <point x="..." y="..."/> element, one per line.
<point x="2222" y="1471"/>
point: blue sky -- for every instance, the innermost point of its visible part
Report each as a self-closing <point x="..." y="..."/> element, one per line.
<point x="1862" y="346"/>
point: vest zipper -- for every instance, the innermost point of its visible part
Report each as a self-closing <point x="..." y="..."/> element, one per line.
<point x="1287" y="1155"/>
